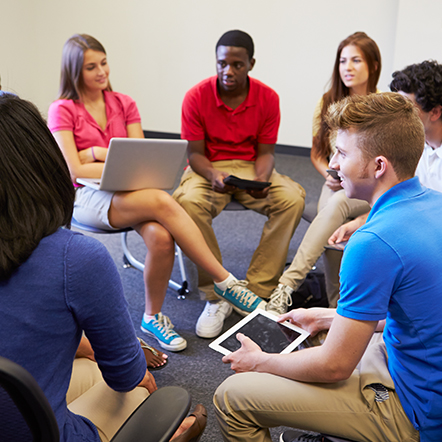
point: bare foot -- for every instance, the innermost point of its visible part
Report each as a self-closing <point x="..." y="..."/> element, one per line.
<point x="154" y="358"/>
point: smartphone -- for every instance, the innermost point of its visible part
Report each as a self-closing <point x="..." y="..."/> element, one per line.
<point x="333" y="173"/>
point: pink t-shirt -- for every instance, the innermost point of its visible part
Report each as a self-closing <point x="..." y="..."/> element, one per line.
<point x="71" y="115"/>
<point x="230" y="134"/>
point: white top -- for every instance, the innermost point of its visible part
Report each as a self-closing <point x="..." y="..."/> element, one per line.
<point x="429" y="169"/>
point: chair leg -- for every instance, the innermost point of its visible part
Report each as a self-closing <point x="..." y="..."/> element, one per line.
<point x="183" y="291"/>
<point x="130" y="260"/>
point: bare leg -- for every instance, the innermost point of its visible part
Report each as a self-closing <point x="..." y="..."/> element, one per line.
<point x="158" y="264"/>
<point x="132" y="208"/>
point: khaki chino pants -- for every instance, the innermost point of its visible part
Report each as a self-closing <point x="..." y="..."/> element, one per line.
<point x="247" y="404"/>
<point x="89" y="396"/>
<point x="283" y="207"/>
<point x="334" y="209"/>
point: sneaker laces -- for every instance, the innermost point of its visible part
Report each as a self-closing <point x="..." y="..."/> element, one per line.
<point x="240" y="292"/>
<point x="280" y="298"/>
<point x="212" y="308"/>
<point x="164" y="324"/>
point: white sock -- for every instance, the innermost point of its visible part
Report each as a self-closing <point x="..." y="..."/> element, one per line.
<point x="224" y="284"/>
<point x="147" y="318"/>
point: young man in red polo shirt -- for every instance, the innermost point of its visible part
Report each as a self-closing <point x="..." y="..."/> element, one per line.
<point x="231" y="122"/>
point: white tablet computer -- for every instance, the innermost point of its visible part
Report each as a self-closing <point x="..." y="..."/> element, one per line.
<point x="261" y="327"/>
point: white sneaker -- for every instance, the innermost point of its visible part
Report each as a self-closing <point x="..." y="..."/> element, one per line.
<point x="280" y="299"/>
<point x="210" y="323"/>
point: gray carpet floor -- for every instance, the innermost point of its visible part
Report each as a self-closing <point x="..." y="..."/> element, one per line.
<point x="198" y="368"/>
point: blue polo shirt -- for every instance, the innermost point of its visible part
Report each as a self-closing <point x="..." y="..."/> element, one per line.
<point x="392" y="268"/>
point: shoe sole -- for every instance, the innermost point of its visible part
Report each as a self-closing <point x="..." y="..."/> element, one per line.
<point x="207" y="335"/>
<point x="261" y="305"/>
<point x="180" y="347"/>
<point x="212" y="334"/>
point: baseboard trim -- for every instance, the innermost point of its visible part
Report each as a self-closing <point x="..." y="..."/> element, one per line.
<point x="279" y="148"/>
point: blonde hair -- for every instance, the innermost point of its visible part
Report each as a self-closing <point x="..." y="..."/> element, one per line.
<point x="387" y="124"/>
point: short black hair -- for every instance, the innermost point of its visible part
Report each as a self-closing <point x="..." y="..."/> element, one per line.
<point x="239" y="39"/>
<point x="424" y="80"/>
<point x="36" y="192"/>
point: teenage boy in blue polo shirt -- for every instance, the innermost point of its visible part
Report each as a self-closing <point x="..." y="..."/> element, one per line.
<point x="354" y="385"/>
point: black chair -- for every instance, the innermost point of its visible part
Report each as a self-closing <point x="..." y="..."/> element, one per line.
<point x="26" y="415"/>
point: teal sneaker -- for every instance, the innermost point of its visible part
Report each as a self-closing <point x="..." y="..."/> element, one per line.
<point x="243" y="300"/>
<point x="162" y="330"/>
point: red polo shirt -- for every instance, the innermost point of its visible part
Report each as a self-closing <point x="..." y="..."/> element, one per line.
<point x="230" y="134"/>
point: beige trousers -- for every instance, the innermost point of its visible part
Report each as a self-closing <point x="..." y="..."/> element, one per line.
<point x="283" y="207"/>
<point x="334" y="209"/>
<point x="89" y="396"/>
<point x="248" y="404"/>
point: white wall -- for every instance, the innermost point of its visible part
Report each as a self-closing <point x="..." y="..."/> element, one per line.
<point x="158" y="49"/>
<point x="419" y="32"/>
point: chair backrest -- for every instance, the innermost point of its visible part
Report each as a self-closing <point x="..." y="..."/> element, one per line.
<point x="25" y="413"/>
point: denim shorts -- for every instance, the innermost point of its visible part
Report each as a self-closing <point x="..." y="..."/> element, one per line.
<point x="92" y="207"/>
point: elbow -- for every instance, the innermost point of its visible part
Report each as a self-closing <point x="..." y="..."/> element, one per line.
<point x="75" y="173"/>
<point x="337" y="372"/>
<point x="74" y="177"/>
<point x="339" y="376"/>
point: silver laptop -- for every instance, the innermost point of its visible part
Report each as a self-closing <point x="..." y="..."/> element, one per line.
<point x="139" y="163"/>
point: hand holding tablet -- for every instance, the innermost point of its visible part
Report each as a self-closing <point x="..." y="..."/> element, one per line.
<point x="240" y="183"/>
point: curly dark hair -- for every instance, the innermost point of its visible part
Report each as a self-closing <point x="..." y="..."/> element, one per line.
<point x="424" y="80"/>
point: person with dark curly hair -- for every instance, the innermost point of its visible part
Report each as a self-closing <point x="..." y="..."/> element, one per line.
<point x="422" y="84"/>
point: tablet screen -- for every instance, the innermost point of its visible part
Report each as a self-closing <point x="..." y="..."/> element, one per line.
<point x="268" y="334"/>
<point x="262" y="328"/>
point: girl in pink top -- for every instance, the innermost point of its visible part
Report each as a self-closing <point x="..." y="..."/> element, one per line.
<point x="87" y="114"/>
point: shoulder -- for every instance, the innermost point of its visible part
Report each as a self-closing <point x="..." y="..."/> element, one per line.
<point x="73" y="244"/>
<point x="319" y="104"/>
<point x="317" y="111"/>
<point x="60" y="106"/>
<point x="62" y="114"/>
<point x="78" y="250"/>
<point x="117" y="97"/>
<point x="262" y="89"/>
<point x="84" y="247"/>
<point x="204" y="87"/>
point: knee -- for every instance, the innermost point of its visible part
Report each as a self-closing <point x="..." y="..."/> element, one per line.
<point x="221" y="398"/>
<point x="338" y="202"/>
<point x="163" y="202"/>
<point x="233" y="393"/>
<point x="291" y="201"/>
<point x="157" y="238"/>
<point x="197" y="205"/>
